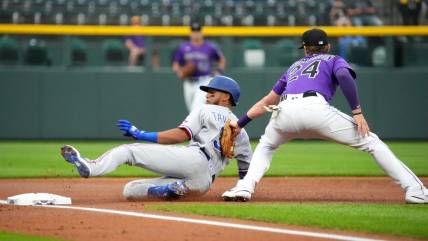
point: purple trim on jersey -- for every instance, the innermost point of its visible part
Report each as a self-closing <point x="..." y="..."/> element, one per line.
<point x="280" y="85"/>
<point x="136" y="40"/>
<point x="203" y="56"/>
<point x="312" y="73"/>
<point x="348" y="87"/>
<point x="188" y="130"/>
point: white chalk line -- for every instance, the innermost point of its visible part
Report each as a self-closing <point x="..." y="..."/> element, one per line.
<point x="212" y="223"/>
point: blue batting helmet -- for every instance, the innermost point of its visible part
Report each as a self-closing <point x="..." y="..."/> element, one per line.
<point x="224" y="84"/>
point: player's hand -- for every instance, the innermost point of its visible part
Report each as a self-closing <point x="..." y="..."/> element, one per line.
<point x="236" y="128"/>
<point x="363" y="127"/>
<point x="128" y="129"/>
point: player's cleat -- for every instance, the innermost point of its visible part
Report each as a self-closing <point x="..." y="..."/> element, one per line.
<point x="417" y="196"/>
<point x="72" y="156"/>
<point x="236" y="194"/>
<point x="171" y="191"/>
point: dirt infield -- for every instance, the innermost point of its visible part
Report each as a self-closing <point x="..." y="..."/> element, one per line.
<point x="106" y="193"/>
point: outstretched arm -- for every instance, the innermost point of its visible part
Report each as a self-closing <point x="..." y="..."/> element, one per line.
<point x="349" y="89"/>
<point x="172" y="136"/>
<point x="257" y="109"/>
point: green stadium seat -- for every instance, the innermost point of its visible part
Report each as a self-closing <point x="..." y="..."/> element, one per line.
<point x="114" y="52"/>
<point x="9" y="53"/>
<point x="415" y="54"/>
<point x="287" y="52"/>
<point x="254" y="54"/>
<point x="36" y="53"/>
<point x="78" y="52"/>
<point x="360" y="55"/>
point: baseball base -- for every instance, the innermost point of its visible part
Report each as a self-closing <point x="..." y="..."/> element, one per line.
<point x="38" y="199"/>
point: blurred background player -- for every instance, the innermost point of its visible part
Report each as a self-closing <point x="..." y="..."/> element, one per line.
<point x="206" y="60"/>
<point x="135" y="45"/>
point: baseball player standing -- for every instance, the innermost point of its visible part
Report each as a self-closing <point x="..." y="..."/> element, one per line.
<point x="203" y="56"/>
<point x="187" y="169"/>
<point x="303" y="94"/>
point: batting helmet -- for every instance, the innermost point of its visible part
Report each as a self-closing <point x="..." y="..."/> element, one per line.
<point x="224" y="84"/>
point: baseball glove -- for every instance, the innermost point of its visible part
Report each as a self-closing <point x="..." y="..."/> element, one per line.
<point x="227" y="140"/>
<point x="187" y="70"/>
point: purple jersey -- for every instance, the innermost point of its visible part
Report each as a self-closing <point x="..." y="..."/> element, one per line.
<point x="312" y="73"/>
<point x="202" y="56"/>
<point x="136" y="40"/>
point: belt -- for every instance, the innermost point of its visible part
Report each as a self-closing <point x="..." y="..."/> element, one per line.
<point x="205" y="153"/>
<point x="306" y="94"/>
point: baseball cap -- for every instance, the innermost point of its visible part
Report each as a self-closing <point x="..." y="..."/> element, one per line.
<point x="314" y="37"/>
<point x="195" y="27"/>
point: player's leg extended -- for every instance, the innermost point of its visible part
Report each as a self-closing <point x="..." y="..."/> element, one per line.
<point x="260" y="162"/>
<point x="180" y="162"/>
<point x="104" y="164"/>
<point x="340" y="127"/>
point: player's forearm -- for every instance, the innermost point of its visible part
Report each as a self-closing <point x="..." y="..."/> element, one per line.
<point x="258" y="109"/>
<point x="222" y="64"/>
<point x="173" y="136"/>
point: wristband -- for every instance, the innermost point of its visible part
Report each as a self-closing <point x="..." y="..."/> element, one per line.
<point x="243" y="121"/>
<point x="148" y="136"/>
<point x="358" y="113"/>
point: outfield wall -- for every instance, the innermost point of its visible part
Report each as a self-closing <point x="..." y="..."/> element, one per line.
<point x="49" y="103"/>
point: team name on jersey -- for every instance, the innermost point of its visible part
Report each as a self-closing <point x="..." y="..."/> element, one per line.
<point x="325" y="57"/>
<point x="195" y="56"/>
<point x="219" y="117"/>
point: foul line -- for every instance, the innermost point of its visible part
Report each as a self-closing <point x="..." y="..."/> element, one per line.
<point x="212" y="223"/>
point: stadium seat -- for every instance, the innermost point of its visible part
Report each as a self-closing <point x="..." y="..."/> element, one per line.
<point x="9" y="53"/>
<point x="114" y="52"/>
<point x="286" y="52"/>
<point x="254" y="55"/>
<point x="78" y="52"/>
<point x="36" y="53"/>
<point x="360" y="55"/>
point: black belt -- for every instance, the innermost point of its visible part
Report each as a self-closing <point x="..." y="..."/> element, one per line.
<point x="205" y="153"/>
<point x="307" y="94"/>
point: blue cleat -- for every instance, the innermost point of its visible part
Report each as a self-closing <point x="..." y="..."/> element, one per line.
<point x="171" y="191"/>
<point x="72" y="156"/>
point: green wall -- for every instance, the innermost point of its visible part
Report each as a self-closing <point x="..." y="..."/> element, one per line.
<point x="85" y="103"/>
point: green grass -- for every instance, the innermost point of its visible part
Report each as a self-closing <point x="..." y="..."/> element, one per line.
<point x="310" y="158"/>
<point x="20" y="237"/>
<point x="299" y="158"/>
<point x="398" y="220"/>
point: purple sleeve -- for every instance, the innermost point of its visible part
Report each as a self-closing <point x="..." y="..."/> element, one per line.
<point x="178" y="56"/>
<point x="216" y="53"/>
<point x="339" y="63"/>
<point x="280" y="85"/>
<point x="348" y="87"/>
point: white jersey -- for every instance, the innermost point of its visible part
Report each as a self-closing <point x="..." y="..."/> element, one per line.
<point x="204" y="126"/>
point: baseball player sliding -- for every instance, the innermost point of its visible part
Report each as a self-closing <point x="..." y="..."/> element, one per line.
<point x="300" y="102"/>
<point x="187" y="169"/>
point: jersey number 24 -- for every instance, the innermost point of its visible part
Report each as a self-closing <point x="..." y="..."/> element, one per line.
<point x="311" y="71"/>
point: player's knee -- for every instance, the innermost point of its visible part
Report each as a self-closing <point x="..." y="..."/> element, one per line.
<point x="371" y="144"/>
<point x="127" y="191"/>
<point x="134" y="191"/>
